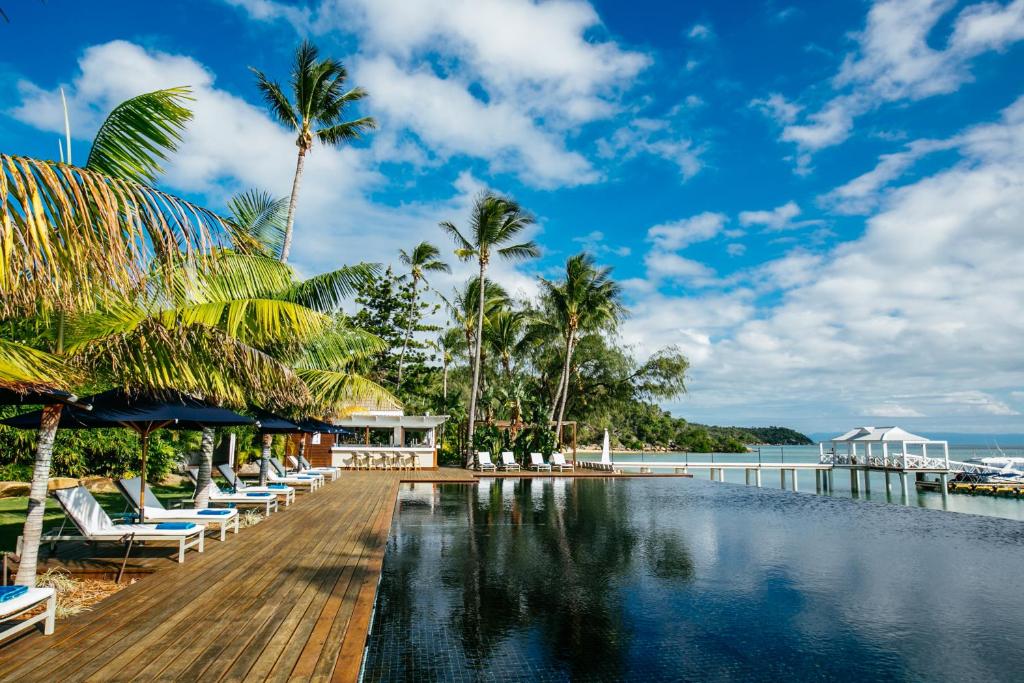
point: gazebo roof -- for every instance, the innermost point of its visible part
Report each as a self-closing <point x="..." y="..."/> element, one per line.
<point x="391" y="421"/>
<point x="862" y="434"/>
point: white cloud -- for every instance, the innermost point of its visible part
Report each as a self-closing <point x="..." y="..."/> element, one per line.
<point x="654" y="137"/>
<point x="736" y="249"/>
<point x="682" y="233"/>
<point x="899" y="57"/>
<point x="779" y="218"/>
<point x="922" y="315"/>
<point x="663" y="265"/>
<point x="777" y="107"/>
<point x="450" y="120"/>
<point x="701" y="32"/>
<point x="596" y="242"/>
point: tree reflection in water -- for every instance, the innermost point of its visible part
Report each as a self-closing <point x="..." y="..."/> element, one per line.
<point x="533" y="566"/>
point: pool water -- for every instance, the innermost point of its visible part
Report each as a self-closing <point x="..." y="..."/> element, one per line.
<point x="676" y="579"/>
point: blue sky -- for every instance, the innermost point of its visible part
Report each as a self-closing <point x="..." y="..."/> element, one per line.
<point x="822" y="204"/>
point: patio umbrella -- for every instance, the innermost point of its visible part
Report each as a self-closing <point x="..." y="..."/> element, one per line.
<point x="144" y="413"/>
<point x="38" y="395"/>
<point x="606" y="450"/>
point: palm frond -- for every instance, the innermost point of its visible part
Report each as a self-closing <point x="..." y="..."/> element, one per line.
<point x="343" y="132"/>
<point x="276" y="100"/>
<point x="520" y="251"/>
<point x="338" y="348"/>
<point x="464" y="248"/>
<point x="327" y="291"/>
<point x="70" y="236"/>
<point x="137" y="135"/>
<point x="338" y="392"/>
<point x="260" y="219"/>
<point x="23" y="367"/>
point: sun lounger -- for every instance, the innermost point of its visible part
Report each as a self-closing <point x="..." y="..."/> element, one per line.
<point x="16" y="600"/>
<point x="282" y="471"/>
<point x="95" y="525"/>
<point x="299" y="481"/>
<point x="558" y="462"/>
<point x="483" y="462"/>
<point x="282" y="491"/>
<point x="267" y="501"/>
<point x="508" y="462"/>
<point x="220" y="518"/>
<point x="537" y="462"/>
<point x="302" y="465"/>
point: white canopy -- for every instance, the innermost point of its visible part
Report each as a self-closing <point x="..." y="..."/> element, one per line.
<point x="878" y="434"/>
<point x="374" y="421"/>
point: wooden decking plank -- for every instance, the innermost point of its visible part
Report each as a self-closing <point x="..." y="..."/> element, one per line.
<point x="350" y="656"/>
<point x="291" y="635"/>
<point x="265" y="623"/>
<point x="233" y="598"/>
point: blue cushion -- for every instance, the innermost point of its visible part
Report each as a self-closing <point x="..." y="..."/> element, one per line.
<point x="11" y="592"/>
<point x="176" y="526"/>
<point x="214" y="512"/>
<point x="257" y="495"/>
<point x="278" y="486"/>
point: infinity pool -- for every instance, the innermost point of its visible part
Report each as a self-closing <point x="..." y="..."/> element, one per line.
<point x="674" y="579"/>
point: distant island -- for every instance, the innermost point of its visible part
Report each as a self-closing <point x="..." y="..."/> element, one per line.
<point x="646" y="426"/>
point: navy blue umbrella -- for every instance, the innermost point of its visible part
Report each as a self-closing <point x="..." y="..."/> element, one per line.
<point x="142" y="412"/>
<point x="37" y="395"/>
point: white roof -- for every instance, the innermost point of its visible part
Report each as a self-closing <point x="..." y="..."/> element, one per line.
<point x="861" y="434"/>
<point x="376" y="421"/>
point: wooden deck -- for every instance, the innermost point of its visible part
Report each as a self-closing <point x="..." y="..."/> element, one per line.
<point x="288" y="599"/>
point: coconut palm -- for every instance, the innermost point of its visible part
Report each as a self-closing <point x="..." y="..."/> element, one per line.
<point x="495" y="223"/>
<point x="587" y="299"/>
<point x="508" y="335"/>
<point x="69" y="237"/>
<point x="424" y="258"/>
<point x="316" y="111"/>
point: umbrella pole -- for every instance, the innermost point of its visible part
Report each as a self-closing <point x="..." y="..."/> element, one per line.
<point x="144" y="435"/>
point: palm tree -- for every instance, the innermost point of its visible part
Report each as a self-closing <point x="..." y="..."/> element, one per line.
<point x="587" y="299"/>
<point x="316" y="111"/>
<point x="424" y="258"/>
<point x="494" y="223"/>
<point x="73" y="235"/>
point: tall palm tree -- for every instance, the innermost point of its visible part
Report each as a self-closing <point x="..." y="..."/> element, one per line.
<point x="508" y="335"/>
<point x="316" y="111"/>
<point x="587" y="299"/>
<point x="494" y="223"/>
<point x="424" y="258"/>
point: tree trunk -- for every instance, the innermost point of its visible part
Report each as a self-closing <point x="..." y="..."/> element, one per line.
<point x="562" y="377"/>
<point x="286" y="248"/>
<point x="202" y="499"/>
<point x="33" y="530"/>
<point x="476" y="367"/>
<point x="408" y="332"/>
<point x="444" y="383"/>
<point x="565" y="392"/>
<point x="268" y="440"/>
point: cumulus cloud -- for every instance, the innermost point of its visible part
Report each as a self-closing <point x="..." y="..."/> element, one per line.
<point x="923" y="312"/>
<point x="898" y="57"/>
<point x="775" y="220"/>
<point x="653" y="137"/>
<point x="682" y="233"/>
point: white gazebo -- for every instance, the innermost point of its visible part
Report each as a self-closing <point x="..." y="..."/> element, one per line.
<point x="889" y="449"/>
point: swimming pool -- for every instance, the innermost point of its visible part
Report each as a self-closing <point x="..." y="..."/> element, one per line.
<point x="674" y="579"/>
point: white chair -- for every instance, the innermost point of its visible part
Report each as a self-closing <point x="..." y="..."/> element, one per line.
<point x="558" y="461"/>
<point x="267" y="501"/>
<point x="303" y="464"/>
<point x="277" y="467"/>
<point x="95" y="525"/>
<point x="282" y="491"/>
<point x="508" y="462"/>
<point x="537" y="462"/>
<point x="483" y="462"/>
<point x="223" y="519"/>
<point x="24" y="601"/>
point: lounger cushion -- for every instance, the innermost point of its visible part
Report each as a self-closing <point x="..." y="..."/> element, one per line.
<point x="32" y="596"/>
<point x="209" y="511"/>
<point x="176" y="526"/>
<point x="11" y="592"/>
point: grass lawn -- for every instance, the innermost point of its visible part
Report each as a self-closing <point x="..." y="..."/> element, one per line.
<point x="12" y="510"/>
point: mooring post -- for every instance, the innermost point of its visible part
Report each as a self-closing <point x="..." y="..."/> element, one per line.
<point x="721" y="474"/>
<point x="944" y="483"/>
<point x="792" y="476"/>
<point x="782" y="478"/>
<point x="828" y="477"/>
<point x="888" y="482"/>
<point x="867" y="480"/>
<point x="853" y="481"/>
<point x="758" y="477"/>
<point x="903" y="486"/>
<point x="746" y="476"/>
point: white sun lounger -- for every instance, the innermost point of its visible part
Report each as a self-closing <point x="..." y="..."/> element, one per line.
<point x="299" y="482"/>
<point x="302" y="465"/>
<point x="222" y="519"/>
<point x="95" y="525"/>
<point x="508" y="462"/>
<point x="483" y="462"/>
<point x="558" y="461"/>
<point x="285" y="492"/>
<point x="537" y="462"/>
<point x="15" y="607"/>
<point x="267" y="501"/>
<point x="281" y="471"/>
